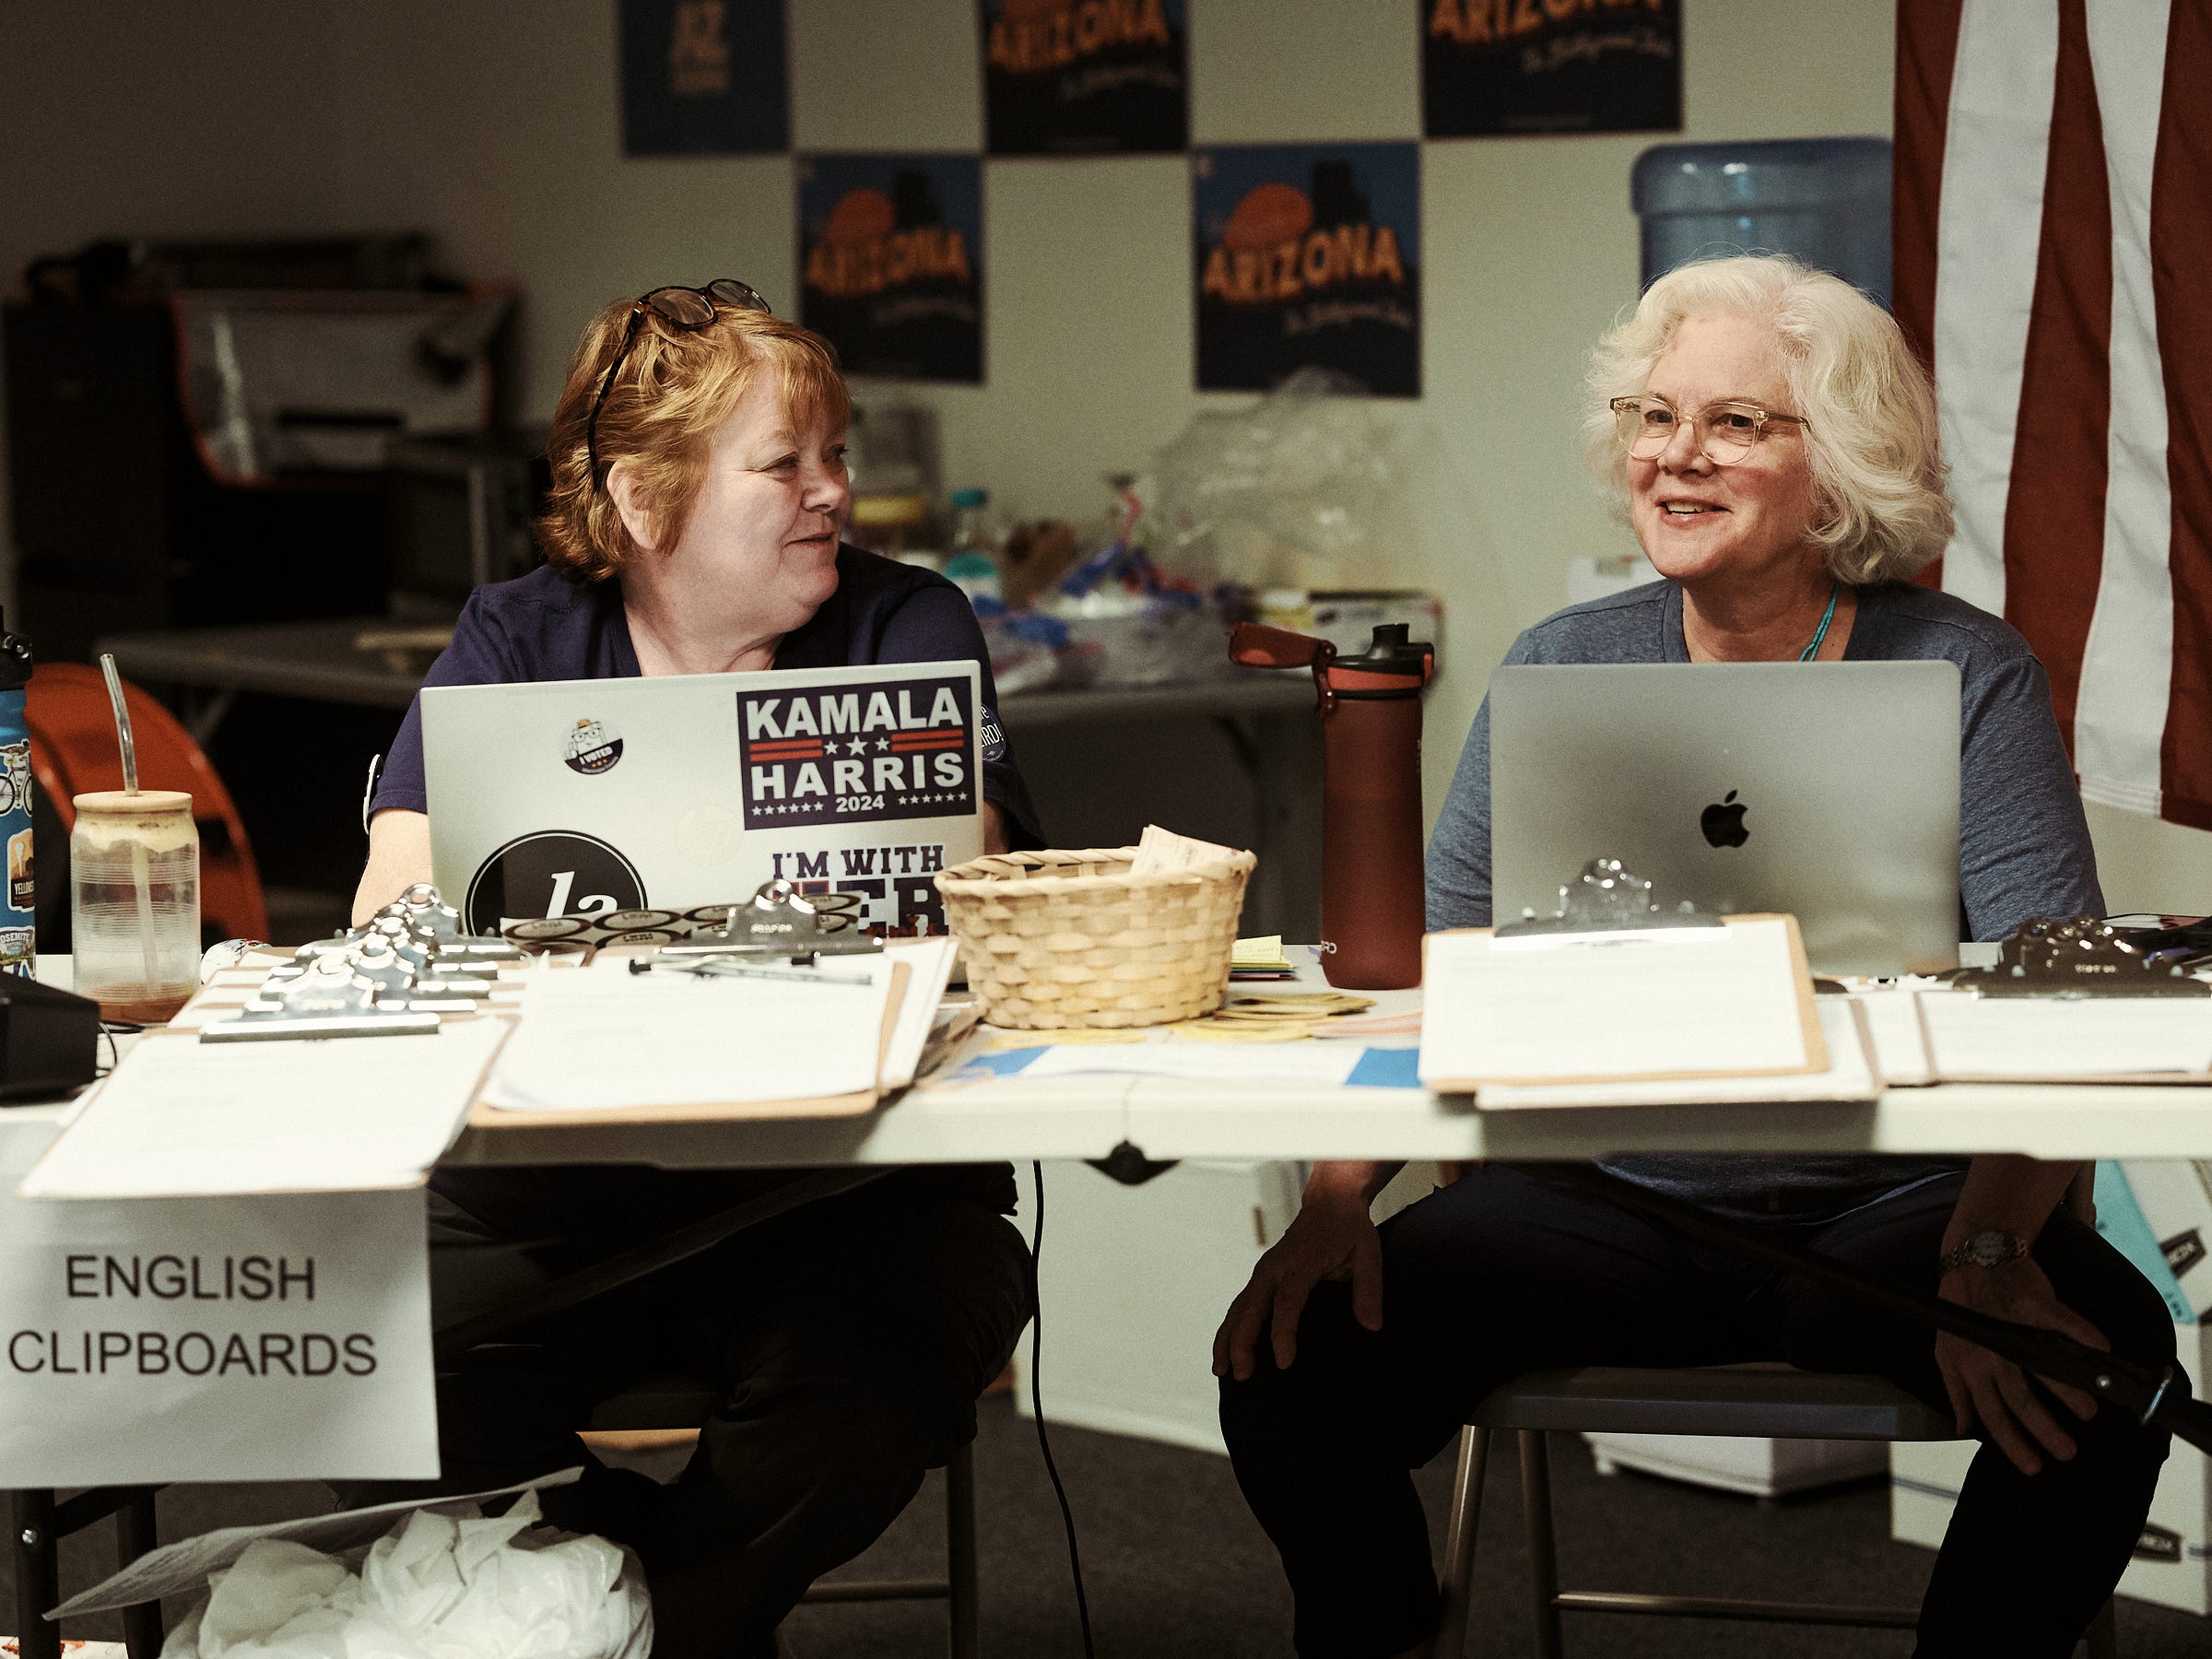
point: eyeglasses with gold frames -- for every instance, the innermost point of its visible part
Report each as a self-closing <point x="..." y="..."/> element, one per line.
<point x="1725" y="432"/>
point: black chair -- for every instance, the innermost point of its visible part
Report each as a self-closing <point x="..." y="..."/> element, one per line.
<point x="1766" y="1402"/>
<point x="677" y="1400"/>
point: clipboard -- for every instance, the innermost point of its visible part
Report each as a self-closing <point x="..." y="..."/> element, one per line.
<point x="856" y="1104"/>
<point x="1562" y="988"/>
<point x="1854" y="1076"/>
<point x="2062" y="1040"/>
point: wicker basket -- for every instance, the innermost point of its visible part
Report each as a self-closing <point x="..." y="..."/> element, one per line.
<point x="1060" y="939"/>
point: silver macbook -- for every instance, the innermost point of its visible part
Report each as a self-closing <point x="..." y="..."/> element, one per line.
<point x="567" y="798"/>
<point x="1827" y="790"/>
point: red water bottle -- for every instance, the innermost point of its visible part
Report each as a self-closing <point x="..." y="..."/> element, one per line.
<point x="1372" y="899"/>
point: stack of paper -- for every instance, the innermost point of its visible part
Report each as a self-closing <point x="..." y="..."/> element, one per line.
<point x="181" y="1118"/>
<point x="1260" y="958"/>
<point x="1160" y="851"/>
<point x="1901" y="1040"/>
<point x="2025" y="1038"/>
<point x="1628" y="1007"/>
<point x="602" y="1037"/>
<point x="1850" y="1075"/>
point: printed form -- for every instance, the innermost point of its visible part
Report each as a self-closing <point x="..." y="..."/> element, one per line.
<point x="602" y="1036"/>
<point x="181" y="1118"/>
<point x="2028" y="1038"/>
<point x="1645" y="1003"/>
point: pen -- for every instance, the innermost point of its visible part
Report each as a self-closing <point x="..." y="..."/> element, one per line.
<point x="803" y="976"/>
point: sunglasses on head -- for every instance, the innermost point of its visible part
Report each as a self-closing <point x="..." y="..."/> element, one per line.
<point x="684" y="308"/>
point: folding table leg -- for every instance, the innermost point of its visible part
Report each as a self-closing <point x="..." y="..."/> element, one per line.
<point x="38" y="1578"/>
<point x="962" y="1638"/>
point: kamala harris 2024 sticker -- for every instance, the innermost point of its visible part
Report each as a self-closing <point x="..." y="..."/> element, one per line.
<point x="833" y="753"/>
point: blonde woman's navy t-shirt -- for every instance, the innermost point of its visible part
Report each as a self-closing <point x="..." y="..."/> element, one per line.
<point x="2023" y="842"/>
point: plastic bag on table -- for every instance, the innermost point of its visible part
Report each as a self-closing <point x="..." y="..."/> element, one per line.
<point x="1306" y="487"/>
<point x="1118" y="638"/>
<point x="1127" y="625"/>
<point x="435" y="1587"/>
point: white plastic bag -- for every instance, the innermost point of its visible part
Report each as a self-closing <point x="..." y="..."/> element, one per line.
<point x="436" y="1586"/>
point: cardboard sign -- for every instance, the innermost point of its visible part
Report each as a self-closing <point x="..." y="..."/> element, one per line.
<point x="892" y="262"/>
<point x="1497" y="66"/>
<point x="1307" y="255"/>
<point x="1074" y="78"/>
<point x="262" y="1338"/>
<point x="705" y="77"/>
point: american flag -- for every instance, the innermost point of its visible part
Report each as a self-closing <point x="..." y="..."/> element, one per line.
<point x="2053" y="264"/>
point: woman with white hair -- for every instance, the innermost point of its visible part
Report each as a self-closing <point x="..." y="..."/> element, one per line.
<point x="1771" y="442"/>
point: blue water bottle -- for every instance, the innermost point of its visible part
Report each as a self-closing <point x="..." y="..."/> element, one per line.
<point x="18" y="929"/>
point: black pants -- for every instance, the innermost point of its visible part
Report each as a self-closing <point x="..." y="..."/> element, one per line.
<point x="1499" y="1275"/>
<point x="848" y="1340"/>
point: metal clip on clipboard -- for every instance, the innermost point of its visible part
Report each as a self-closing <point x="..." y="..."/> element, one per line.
<point x="2077" y="957"/>
<point x="328" y="998"/>
<point x="393" y="975"/>
<point x="1605" y="898"/>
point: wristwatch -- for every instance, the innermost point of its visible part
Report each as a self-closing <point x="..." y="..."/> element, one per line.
<point x="1986" y="1249"/>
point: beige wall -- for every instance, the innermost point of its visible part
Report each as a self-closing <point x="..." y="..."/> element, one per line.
<point x="494" y="123"/>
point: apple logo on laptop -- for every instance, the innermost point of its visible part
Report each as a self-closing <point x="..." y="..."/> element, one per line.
<point x="1723" y="822"/>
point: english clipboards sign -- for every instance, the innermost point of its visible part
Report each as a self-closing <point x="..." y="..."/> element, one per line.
<point x="279" y="1336"/>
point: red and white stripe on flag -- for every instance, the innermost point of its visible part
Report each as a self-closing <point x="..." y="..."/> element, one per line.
<point x="2054" y="266"/>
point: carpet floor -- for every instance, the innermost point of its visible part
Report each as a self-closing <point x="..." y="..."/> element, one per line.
<point x="1176" y="1568"/>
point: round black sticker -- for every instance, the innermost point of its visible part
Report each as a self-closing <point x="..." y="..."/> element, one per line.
<point x="593" y="748"/>
<point x="552" y="873"/>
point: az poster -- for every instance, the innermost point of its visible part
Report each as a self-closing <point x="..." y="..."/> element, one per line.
<point x="1504" y="66"/>
<point x="1307" y="255"/>
<point x="705" y="77"/>
<point x="1078" y="77"/>
<point x="892" y="251"/>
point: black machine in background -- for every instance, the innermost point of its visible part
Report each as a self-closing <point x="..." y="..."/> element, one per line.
<point x="257" y="436"/>
<point x="208" y="434"/>
<point x="119" y="527"/>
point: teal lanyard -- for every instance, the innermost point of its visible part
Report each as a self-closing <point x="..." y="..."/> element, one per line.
<point x="1827" y="616"/>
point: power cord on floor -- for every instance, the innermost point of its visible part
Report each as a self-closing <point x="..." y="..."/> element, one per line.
<point x="1075" y="1559"/>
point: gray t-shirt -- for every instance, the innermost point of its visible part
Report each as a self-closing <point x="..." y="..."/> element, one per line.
<point x="2023" y="844"/>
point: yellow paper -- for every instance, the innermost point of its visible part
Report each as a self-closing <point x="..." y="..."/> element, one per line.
<point x="1272" y="1030"/>
<point x="1073" y="1035"/>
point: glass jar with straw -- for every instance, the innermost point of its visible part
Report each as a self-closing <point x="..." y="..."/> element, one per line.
<point x="135" y="890"/>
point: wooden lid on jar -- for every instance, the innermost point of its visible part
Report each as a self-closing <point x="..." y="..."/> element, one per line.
<point x="147" y="803"/>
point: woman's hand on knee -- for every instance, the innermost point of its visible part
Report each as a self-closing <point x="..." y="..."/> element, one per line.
<point x="1992" y="1392"/>
<point x="1331" y="1239"/>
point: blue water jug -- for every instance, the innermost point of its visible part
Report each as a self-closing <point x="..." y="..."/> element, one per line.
<point x="1825" y="201"/>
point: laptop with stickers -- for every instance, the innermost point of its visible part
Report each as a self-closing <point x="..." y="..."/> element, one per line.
<point x="564" y="797"/>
